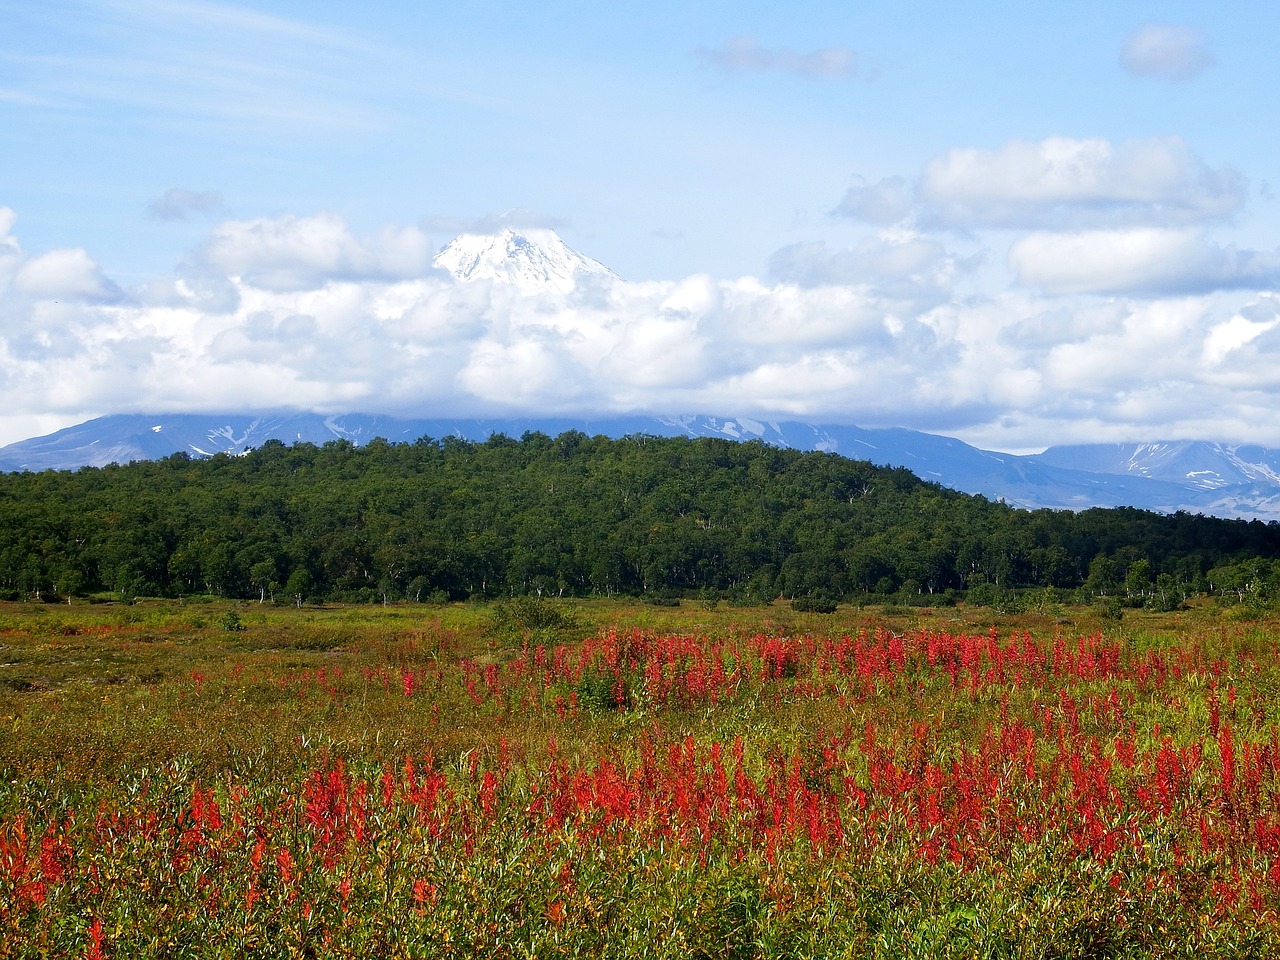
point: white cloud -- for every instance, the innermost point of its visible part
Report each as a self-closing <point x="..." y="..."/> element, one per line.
<point x="10" y="251"/>
<point x="1141" y="260"/>
<point x="699" y="294"/>
<point x="1117" y="361"/>
<point x="533" y="368"/>
<point x="1166" y="51"/>
<point x="1231" y="335"/>
<point x="295" y="253"/>
<point x="746" y="54"/>
<point x="903" y="264"/>
<point x="1066" y="183"/>
<point x="64" y="274"/>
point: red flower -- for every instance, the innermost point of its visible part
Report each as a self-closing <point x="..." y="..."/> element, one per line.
<point x="423" y="894"/>
<point x="94" y="951"/>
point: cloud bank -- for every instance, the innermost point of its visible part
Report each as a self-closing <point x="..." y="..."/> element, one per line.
<point x="1120" y="316"/>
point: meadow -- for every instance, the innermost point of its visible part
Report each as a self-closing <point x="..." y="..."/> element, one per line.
<point x="613" y="779"/>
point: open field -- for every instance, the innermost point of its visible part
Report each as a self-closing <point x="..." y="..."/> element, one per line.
<point x="605" y="779"/>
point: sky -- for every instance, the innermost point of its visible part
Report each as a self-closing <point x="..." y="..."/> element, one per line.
<point x="1016" y="224"/>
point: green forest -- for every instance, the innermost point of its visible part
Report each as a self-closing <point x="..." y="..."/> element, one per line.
<point x="574" y="515"/>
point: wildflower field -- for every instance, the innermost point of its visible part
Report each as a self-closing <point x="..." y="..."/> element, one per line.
<point x="521" y="780"/>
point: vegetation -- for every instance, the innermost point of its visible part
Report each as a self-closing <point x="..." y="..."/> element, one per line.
<point x="585" y="516"/>
<point x="243" y="714"/>
<point x="535" y="778"/>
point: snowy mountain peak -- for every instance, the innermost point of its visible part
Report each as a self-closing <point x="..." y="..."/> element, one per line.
<point x="531" y="259"/>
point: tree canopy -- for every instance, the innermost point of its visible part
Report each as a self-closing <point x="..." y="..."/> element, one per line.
<point x="573" y="515"/>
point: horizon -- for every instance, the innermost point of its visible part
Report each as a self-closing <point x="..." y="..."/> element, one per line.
<point x="1021" y="229"/>
<point x="602" y="418"/>
<point x="287" y="412"/>
<point x="1196" y="477"/>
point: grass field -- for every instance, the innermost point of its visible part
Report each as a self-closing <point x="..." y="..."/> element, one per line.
<point x="623" y="780"/>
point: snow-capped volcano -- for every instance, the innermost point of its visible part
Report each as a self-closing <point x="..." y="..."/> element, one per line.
<point x="531" y="259"/>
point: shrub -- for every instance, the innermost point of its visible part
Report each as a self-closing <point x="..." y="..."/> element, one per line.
<point x="813" y="605"/>
<point x="528" y="616"/>
<point x="1111" y="608"/>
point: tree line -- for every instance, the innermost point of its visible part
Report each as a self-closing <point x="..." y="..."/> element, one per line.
<point x="578" y="515"/>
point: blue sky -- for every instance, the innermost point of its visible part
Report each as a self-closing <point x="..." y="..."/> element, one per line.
<point x="1016" y="224"/>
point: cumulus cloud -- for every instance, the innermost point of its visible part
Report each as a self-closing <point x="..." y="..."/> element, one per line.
<point x="902" y="264"/>
<point x="1096" y="217"/>
<point x="740" y="54"/>
<point x="1239" y="331"/>
<point x="294" y="253"/>
<point x="1067" y="183"/>
<point x="1057" y="183"/>
<point x="1140" y="260"/>
<point x="179" y="204"/>
<point x="64" y="274"/>
<point x="1166" y="51"/>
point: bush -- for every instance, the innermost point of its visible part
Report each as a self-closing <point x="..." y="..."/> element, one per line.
<point x="1110" y="608"/>
<point x="890" y="609"/>
<point x="813" y="605"/>
<point x="527" y="616"/>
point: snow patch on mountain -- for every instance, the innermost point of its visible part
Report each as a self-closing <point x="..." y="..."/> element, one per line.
<point x="534" y="260"/>
<point x="1199" y="464"/>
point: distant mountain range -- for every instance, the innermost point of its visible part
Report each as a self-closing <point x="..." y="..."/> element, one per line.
<point x="1195" y="476"/>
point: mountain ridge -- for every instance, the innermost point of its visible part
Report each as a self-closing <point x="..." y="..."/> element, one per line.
<point x="1193" y="476"/>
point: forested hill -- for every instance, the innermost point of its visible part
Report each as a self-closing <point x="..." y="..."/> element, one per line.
<point x="572" y="515"/>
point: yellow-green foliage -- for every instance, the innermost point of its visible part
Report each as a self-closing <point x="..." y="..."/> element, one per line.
<point x="636" y="781"/>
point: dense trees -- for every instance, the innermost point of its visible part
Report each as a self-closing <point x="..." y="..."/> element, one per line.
<point x="575" y="515"/>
